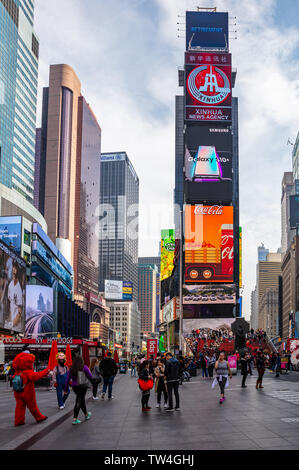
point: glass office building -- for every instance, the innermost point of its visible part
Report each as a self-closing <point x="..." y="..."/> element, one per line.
<point x="119" y="199"/>
<point x="19" y="49"/>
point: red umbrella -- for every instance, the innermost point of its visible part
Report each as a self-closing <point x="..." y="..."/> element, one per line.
<point x="85" y="354"/>
<point x="68" y="355"/>
<point x="52" y="358"/>
<point x="115" y="357"/>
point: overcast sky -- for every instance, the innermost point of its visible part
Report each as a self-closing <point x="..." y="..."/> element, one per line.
<point x="126" y="54"/>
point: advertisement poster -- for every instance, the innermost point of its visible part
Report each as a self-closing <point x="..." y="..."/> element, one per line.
<point x="209" y="244"/>
<point x="118" y="290"/>
<point x="152" y="348"/>
<point x="209" y="294"/>
<point x="12" y="290"/>
<point x="207" y="326"/>
<point x="233" y="363"/>
<point x="40" y="317"/>
<point x="208" y="174"/>
<point x="11" y="232"/>
<point x="167" y="253"/>
<point x="206" y="29"/>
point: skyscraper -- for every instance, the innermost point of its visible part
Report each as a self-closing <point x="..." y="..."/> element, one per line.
<point x="69" y="175"/>
<point x="19" y="54"/>
<point x="287" y="189"/>
<point x="119" y="199"/>
<point x="147" y="296"/>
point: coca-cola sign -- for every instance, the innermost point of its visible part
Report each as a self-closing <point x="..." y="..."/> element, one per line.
<point x="208" y="210"/>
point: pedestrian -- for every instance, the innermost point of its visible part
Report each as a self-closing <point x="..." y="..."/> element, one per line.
<point x="211" y="365"/>
<point x="80" y="376"/>
<point x="245" y="360"/>
<point x="172" y="374"/>
<point x="145" y="383"/>
<point x="96" y="377"/>
<point x="222" y="372"/>
<point x="108" y="370"/>
<point x="203" y="364"/>
<point x="133" y="367"/>
<point x="278" y="365"/>
<point x="59" y="377"/>
<point x="160" y="385"/>
<point x="260" y="365"/>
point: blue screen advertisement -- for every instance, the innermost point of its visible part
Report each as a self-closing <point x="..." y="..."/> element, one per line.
<point x="11" y="232"/>
<point x="206" y="29"/>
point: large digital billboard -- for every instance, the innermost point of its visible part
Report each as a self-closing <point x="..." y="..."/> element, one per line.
<point x="213" y="294"/>
<point x="40" y="317"/>
<point x="209" y="311"/>
<point x="208" y="175"/>
<point x="202" y="325"/>
<point x="209" y="134"/>
<point x="207" y="29"/>
<point x="12" y="290"/>
<point x="208" y="87"/>
<point x="167" y="253"/>
<point x="11" y="232"/>
<point x="209" y="244"/>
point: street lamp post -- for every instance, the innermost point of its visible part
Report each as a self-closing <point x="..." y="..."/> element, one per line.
<point x="181" y="280"/>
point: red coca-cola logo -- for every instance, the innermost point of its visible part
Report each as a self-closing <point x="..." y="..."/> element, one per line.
<point x="208" y="210"/>
<point x="227" y="251"/>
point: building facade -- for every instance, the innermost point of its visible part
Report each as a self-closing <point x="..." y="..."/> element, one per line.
<point x="269" y="309"/>
<point x="69" y="172"/>
<point x="288" y="189"/>
<point x="125" y="318"/>
<point x="118" y="232"/>
<point x="268" y="273"/>
<point x="290" y="288"/>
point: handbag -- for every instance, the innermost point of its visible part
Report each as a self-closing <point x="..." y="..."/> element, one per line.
<point x="82" y="379"/>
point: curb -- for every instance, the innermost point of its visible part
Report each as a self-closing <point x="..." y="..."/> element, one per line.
<point x="29" y="438"/>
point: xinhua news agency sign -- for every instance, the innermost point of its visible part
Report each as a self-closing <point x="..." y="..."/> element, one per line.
<point x="152" y="348"/>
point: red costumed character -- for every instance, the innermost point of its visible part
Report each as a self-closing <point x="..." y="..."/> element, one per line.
<point x="23" y="366"/>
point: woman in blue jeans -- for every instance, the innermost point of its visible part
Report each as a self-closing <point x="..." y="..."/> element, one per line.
<point x="59" y="378"/>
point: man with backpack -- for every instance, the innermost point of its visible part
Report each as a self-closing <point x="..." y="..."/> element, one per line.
<point x="23" y="387"/>
<point x="108" y="370"/>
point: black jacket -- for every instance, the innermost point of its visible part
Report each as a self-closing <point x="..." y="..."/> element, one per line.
<point x="172" y="370"/>
<point x="244" y="365"/>
<point x="108" y="367"/>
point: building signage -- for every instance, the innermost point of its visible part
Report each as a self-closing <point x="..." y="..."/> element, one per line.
<point x="207" y="30"/>
<point x="11" y="232"/>
<point x="152" y="348"/>
<point x="118" y="290"/>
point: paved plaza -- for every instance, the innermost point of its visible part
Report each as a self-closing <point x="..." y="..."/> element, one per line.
<point x="249" y="419"/>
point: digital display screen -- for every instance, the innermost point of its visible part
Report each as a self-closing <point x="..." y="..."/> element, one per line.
<point x="206" y="29"/>
<point x="40" y="317"/>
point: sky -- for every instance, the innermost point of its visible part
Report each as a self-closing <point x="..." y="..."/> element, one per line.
<point x="126" y="54"/>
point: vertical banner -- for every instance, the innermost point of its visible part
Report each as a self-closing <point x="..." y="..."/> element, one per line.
<point x="167" y="253"/>
<point x="152" y="348"/>
<point x="240" y="256"/>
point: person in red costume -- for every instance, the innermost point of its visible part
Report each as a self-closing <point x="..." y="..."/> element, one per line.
<point x="23" y="366"/>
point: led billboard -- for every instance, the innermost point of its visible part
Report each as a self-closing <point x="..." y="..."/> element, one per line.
<point x="208" y="87"/>
<point x="213" y="294"/>
<point x="202" y="325"/>
<point x="167" y="253"/>
<point x="118" y="290"/>
<point x="209" y="311"/>
<point x="208" y="175"/>
<point x="209" y="134"/>
<point x="12" y="290"/>
<point x="40" y="317"/>
<point x="11" y="232"/>
<point x="209" y="244"/>
<point x="294" y="211"/>
<point x="207" y="29"/>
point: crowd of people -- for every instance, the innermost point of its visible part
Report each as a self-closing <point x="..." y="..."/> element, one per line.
<point x="208" y="340"/>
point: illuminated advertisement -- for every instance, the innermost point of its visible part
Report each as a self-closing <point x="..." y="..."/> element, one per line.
<point x="294" y="211"/>
<point x="209" y="244"/>
<point x="11" y="232"/>
<point x="118" y="290"/>
<point x="240" y="256"/>
<point x="223" y="324"/>
<point x="209" y="294"/>
<point x="208" y="87"/>
<point x="209" y="310"/>
<point x="167" y="253"/>
<point x="206" y="29"/>
<point x="209" y="134"/>
<point x="208" y="175"/>
<point x="40" y="318"/>
<point x="12" y="290"/>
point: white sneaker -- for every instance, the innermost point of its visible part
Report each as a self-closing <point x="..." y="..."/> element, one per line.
<point x="158" y="405"/>
<point x="61" y="407"/>
<point x="95" y="398"/>
<point x="165" y="405"/>
<point x="111" y="398"/>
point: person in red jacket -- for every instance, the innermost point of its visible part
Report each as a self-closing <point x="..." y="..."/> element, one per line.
<point x="23" y="366"/>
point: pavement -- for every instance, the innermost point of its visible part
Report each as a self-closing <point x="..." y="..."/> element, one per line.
<point x="249" y="419"/>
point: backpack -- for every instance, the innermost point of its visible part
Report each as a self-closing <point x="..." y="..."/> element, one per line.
<point x="17" y="384"/>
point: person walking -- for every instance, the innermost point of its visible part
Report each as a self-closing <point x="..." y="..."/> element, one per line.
<point x="211" y="364"/>
<point x="278" y="365"/>
<point x="203" y="364"/>
<point x="160" y="385"/>
<point x="133" y="367"/>
<point x="80" y="376"/>
<point x="222" y="372"/>
<point x="172" y="374"/>
<point x="144" y="378"/>
<point x="96" y="377"/>
<point x="59" y="377"/>
<point x="260" y="365"/>
<point x="108" y="370"/>
<point x="245" y="360"/>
